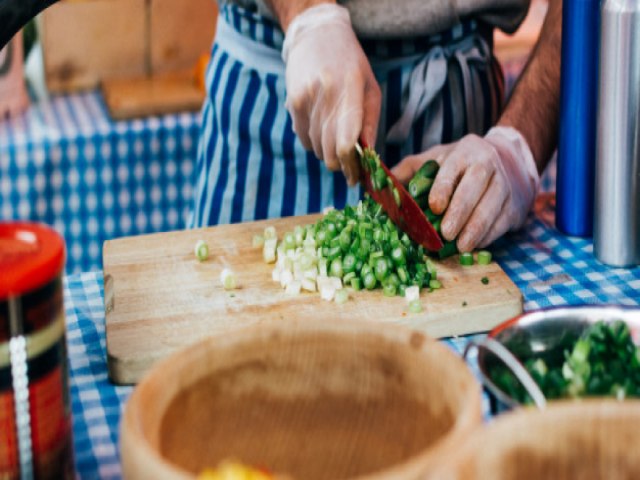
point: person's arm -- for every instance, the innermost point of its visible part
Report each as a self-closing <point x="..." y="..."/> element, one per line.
<point x="487" y="185"/>
<point x="332" y="94"/>
<point x="534" y="103"/>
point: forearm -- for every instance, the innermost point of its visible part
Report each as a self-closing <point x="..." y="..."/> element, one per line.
<point x="286" y="10"/>
<point x="534" y="103"/>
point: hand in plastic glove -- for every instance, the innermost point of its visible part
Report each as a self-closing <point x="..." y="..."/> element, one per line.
<point x="332" y="94"/>
<point x="486" y="185"/>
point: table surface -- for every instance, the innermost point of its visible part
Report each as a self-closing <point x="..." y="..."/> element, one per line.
<point x="66" y="163"/>
<point x="549" y="268"/>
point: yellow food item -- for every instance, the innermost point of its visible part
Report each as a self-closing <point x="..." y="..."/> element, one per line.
<point x="233" y="471"/>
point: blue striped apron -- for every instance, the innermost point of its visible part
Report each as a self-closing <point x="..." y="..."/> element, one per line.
<point x="250" y="164"/>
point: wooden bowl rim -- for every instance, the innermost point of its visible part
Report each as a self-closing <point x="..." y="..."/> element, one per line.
<point x="131" y="430"/>
<point x="571" y="414"/>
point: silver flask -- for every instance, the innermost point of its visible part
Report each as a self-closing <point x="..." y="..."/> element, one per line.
<point x="617" y="183"/>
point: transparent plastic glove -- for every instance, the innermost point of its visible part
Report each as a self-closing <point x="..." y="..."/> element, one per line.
<point x="486" y="185"/>
<point x="332" y="94"/>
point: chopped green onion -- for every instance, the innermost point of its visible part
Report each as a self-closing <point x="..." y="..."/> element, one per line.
<point x="356" y="284"/>
<point x="299" y="234"/>
<point x="289" y="241"/>
<point x="449" y="248"/>
<point x="415" y="306"/>
<point x="348" y="276"/>
<point x="349" y="263"/>
<point x="379" y="179"/>
<point x="201" y="250"/>
<point x="420" y="186"/>
<point x="396" y="197"/>
<point x="412" y="293"/>
<point x="270" y="232"/>
<point x="435" y="284"/>
<point x="341" y="296"/>
<point x="398" y="255"/>
<point x="485" y="280"/>
<point x="466" y="259"/>
<point x="269" y="249"/>
<point x="335" y="270"/>
<point x="381" y="269"/>
<point x="369" y="281"/>
<point x="228" y="279"/>
<point x="389" y="290"/>
<point x="403" y="275"/>
<point x="484" y="257"/>
<point x="393" y="280"/>
<point x="429" y="169"/>
<point x="293" y="288"/>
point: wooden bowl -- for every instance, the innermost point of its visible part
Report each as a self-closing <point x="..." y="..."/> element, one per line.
<point x="587" y="440"/>
<point x="309" y="400"/>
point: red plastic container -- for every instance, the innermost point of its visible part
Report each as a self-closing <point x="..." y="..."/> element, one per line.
<point x="35" y="417"/>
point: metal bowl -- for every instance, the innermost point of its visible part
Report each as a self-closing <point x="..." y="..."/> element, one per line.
<point x="542" y="334"/>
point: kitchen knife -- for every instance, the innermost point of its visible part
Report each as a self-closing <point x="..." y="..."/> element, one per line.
<point x="395" y="200"/>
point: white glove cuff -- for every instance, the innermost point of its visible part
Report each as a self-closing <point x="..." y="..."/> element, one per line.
<point x="311" y="18"/>
<point x="512" y="139"/>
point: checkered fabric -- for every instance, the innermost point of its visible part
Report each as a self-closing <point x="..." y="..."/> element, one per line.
<point x="549" y="269"/>
<point x="96" y="403"/>
<point x="66" y="163"/>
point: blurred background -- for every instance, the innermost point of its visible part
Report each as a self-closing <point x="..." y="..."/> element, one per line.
<point x="99" y="115"/>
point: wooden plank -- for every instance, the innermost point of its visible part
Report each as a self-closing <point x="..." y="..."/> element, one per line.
<point x="180" y="33"/>
<point x="84" y="42"/>
<point x="159" y="298"/>
<point x="143" y="96"/>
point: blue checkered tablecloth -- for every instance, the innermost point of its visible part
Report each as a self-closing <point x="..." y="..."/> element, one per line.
<point x="66" y="163"/>
<point x="550" y="269"/>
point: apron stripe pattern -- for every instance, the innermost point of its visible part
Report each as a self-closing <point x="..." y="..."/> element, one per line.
<point x="251" y="165"/>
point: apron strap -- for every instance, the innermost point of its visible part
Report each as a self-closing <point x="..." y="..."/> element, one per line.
<point x="429" y="77"/>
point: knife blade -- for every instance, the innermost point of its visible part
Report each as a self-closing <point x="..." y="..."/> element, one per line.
<point x="395" y="200"/>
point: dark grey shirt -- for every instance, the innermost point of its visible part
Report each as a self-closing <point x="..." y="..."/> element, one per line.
<point x="404" y="18"/>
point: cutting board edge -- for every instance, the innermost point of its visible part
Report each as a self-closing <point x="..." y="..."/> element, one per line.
<point x="506" y="311"/>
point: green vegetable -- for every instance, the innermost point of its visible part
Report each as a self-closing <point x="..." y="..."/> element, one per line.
<point x="485" y="280"/>
<point x="396" y="197"/>
<point x="419" y="186"/>
<point x="448" y="249"/>
<point x="603" y="361"/>
<point x="270" y="232"/>
<point x="201" y="250"/>
<point x="364" y="248"/>
<point x="415" y="306"/>
<point x="429" y="169"/>
<point x="341" y="296"/>
<point x="466" y="259"/>
<point x="484" y="257"/>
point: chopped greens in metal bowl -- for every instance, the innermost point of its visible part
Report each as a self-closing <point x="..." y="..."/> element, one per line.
<point x="569" y="352"/>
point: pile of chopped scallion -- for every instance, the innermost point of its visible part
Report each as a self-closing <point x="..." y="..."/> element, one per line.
<point x="351" y="249"/>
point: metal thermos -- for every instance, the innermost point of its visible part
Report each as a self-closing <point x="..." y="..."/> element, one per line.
<point x="578" y="101"/>
<point x="617" y="192"/>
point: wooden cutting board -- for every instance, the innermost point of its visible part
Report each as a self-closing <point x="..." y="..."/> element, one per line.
<point x="158" y="297"/>
<point x="158" y="95"/>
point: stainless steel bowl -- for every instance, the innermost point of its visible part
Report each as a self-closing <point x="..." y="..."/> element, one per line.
<point x="542" y="334"/>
